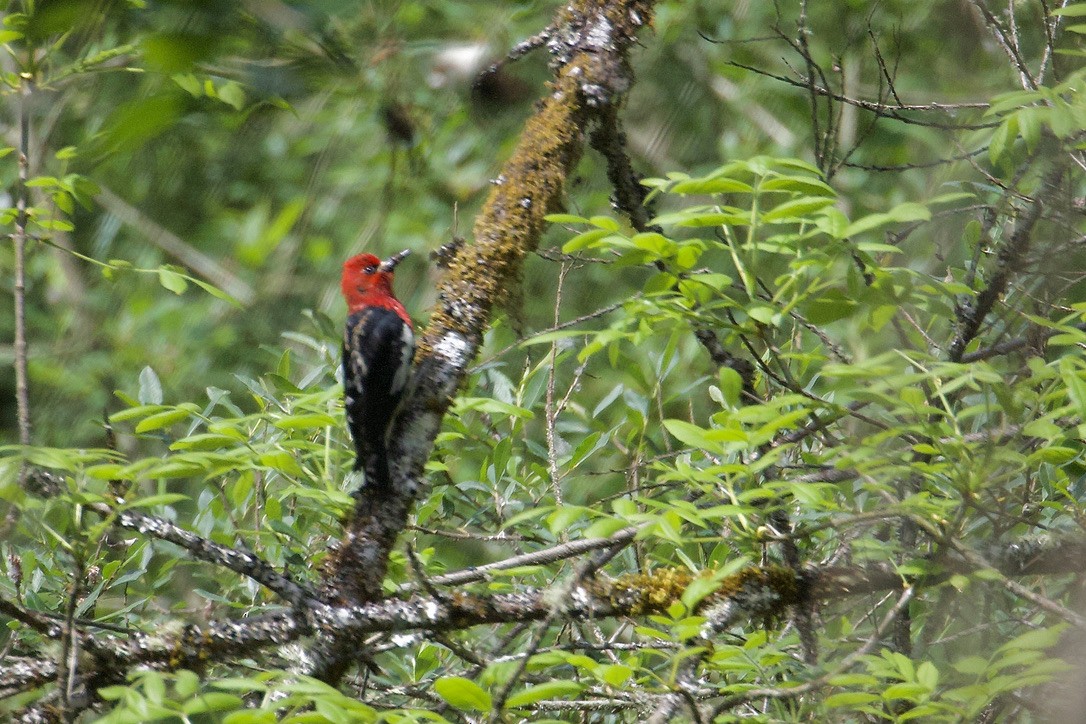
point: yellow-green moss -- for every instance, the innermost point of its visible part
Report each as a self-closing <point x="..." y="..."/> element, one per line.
<point x="531" y="182"/>
<point x="652" y="592"/>
<point x="645" y="593"/>
<point x="511" y="223"/>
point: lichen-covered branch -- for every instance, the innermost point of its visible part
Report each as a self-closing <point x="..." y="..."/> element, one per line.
<point x="202" y="549"/>
<point x="589" y="45"/>
<point x="752" y="593"/>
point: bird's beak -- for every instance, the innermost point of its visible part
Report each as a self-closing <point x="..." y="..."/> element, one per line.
<point x="390" y="263"/>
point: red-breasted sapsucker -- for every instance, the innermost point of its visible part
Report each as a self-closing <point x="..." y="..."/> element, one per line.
<point x="378" y="348"/>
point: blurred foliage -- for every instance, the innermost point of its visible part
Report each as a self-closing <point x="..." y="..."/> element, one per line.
<point x="201" y="169"/>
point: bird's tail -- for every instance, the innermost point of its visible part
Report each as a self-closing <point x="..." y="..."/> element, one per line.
<point x="375" y="464"/>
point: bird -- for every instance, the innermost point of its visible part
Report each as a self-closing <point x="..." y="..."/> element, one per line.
<point x="378" y="351"/>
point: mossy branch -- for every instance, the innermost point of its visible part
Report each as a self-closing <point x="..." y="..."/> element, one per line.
<point x="589" y="44"/>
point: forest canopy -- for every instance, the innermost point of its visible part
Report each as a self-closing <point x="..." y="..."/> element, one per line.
<point x="748" y="383"/>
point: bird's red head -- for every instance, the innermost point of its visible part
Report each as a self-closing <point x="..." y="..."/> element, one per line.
<point x="367" y="282"/>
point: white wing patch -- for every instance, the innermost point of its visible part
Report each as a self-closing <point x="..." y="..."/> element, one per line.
<point x="407" y="352"/>
<point x="358" y="363"/>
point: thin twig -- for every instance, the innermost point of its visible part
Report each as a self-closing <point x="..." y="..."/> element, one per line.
<point x="535" y="558"/>
<point x="176" y="247"/>
<point x="551" y="411"/>
<point x="22" y="387"/>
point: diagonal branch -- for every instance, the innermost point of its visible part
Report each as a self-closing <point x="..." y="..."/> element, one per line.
<point x="589" y="43"/>
<point x="1007" y="264"/>
<point x="203" y="549"/>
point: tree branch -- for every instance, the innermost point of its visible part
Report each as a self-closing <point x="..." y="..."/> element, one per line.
<point x="589" y="44"/>
<point x="1007" y="263"/>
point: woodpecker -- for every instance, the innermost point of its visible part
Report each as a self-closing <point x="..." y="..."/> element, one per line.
<point x="378" y="348"/>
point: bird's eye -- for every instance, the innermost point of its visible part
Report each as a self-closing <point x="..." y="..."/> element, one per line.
<point x="370" y="269"/>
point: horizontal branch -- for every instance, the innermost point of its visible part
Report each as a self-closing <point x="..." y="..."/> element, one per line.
<point x="753" y="593"/>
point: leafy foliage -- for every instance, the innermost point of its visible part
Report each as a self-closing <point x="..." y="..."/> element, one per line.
<point x="839" y="429"/>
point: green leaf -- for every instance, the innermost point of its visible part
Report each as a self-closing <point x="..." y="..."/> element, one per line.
<point x="1004" y="135"/>
<point x="697" y="436"/>
<point x="866" y="681"/>
<point x="692" y="435"/>
<point x="232" y="94"/>
<point x="463" y="694"/>
<point x="152" y="500"/>
<point x="905" y="690"/>
<point x="604" y="222"/>
<point x="909" y="211"/>
<point x="614" y="674"/>
<point x="850" y="699"/>
<point x="139" y="411"/>
<point x="877" y="247"/>
<point x="797" y="208"/>
<point x="216" y="292"/>
<point x="763" y="313"/>
<point x="651" y="241"/>
<point x="212" y="701"/>
<point x="927" y="675"/>
<point x="565" y="219"/>
<point x="832" y="222"/>
<point x="1076" y="386"/>
<point x="697" y="590"/>
<point x="150" y="392"/>
<point x="204" y="441"/>
<point x="109" y="471"/>
<point x="565" y="516"/>
<point x="42" y="182"/>
<point x="165" y="419"/>
<point x="1073" y="11"/>
<point x="491" y="406"/>
<point x="250" y="717"/>
<point x="687" y="256"/>
<point x="731" y="385"/>
<point x="282" y="461"/>
<point x="1042" y="638"/>
<point x="718" y="185"/>
<point x="303" y="422"/>
<point x="584" y="240"/>
<point x="975" y="665"/>
<point x="1030" y="124"/>
<point x="172" y="280"/>
<point x="1054" y="455"/>
<point x="702" y="218"/>
<point x="176" y="52"/>
<point x="546" y="690"/>
<point x="186" y="683"/>
<point x="829" y="306"/>
<point x="799" y="184"/>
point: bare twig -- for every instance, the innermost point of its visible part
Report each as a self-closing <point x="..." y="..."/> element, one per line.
<point x="176" y="247"/>
<point x="535" y="558"/>
<point x="22" y="388"/>
<point x="1007" y="265"/>
<point x="551" y="410"/>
